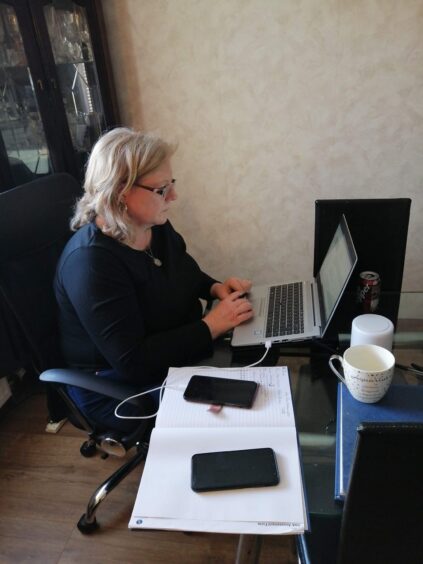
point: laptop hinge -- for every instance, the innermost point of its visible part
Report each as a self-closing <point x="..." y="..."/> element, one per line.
<point x="315" y="302"/>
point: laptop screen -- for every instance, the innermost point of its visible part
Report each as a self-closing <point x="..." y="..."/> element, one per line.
<point x="335" y="271"/>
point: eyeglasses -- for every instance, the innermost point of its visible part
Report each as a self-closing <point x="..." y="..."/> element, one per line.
<point x="162" y="191"/>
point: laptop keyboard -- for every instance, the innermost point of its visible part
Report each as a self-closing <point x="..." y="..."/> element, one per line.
<point x="285" y="313"/>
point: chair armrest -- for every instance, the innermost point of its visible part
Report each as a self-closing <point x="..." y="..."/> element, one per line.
<point x="80" y="379"/>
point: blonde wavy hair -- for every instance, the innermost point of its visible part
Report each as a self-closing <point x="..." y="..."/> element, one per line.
<point x="118" y="158"/>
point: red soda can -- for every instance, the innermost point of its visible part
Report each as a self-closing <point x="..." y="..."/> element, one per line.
<point x="368" y="291"/>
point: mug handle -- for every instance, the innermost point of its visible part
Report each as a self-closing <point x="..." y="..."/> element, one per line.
<point x="334" y="370"/>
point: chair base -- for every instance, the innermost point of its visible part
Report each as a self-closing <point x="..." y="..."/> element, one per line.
<point x="88" y="448"/>
<point x="87" y="524"/>
<point x="85" y="527"/>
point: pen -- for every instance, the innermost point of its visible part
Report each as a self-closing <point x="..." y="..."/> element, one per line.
<point x="409" y="369"/>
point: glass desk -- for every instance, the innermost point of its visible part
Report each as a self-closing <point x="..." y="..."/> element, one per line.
<point x="314" y="391"/>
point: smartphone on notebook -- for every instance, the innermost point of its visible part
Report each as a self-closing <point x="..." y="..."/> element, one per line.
<point x="221" y="391"/>
<point x="234" y="469"/>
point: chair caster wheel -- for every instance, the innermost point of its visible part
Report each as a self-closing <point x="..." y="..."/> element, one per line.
<point x="88" y="448"/>
<point x="87" y="528"/>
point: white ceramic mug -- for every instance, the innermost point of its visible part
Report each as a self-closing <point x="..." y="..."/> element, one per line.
<point x="368" y="371"/>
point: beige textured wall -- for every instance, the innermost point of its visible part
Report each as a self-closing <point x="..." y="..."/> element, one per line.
<point x="275" y="103"/>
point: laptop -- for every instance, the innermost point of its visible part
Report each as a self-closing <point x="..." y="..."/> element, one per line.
<point x="299" y="311"/>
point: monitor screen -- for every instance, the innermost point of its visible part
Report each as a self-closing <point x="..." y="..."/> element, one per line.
<point x="336" y="269"/>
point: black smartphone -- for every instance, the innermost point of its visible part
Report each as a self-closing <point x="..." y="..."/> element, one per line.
<point x="221" y="391"/>
<point x="234" y="469"/>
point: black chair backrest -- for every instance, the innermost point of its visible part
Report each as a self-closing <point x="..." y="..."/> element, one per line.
<point x="383" y="513"/>
<point x="379" y="229"/>
<point x="34" y="227"/>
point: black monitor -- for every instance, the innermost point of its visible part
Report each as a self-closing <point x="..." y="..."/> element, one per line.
<point x="379" y="229"/>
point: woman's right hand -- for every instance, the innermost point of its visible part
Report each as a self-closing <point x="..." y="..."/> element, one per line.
<point x="228" y="313"/>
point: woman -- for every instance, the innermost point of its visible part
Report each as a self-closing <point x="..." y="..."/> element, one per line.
<point x="128" y="292"/>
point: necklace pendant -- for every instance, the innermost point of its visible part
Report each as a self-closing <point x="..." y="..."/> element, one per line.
<point x="157" y="261"/>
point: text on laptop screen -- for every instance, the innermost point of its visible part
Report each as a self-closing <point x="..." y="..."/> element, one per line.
<point x="334" y="271"/>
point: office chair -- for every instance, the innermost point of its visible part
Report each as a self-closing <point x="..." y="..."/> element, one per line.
<point x="34" y="227"/>
<point x="383" y="509"/>
<point x="379" y="229"/>
<point x="383" y="513"/>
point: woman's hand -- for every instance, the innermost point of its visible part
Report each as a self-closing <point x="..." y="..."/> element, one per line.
<point x="233" y="284"/>
<point x="231" y="311"/>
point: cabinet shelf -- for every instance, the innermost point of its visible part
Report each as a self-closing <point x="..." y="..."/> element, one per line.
<point x="75" y="62"/>
<point x="62" y="100"/>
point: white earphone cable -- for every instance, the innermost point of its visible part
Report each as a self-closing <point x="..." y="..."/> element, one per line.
<point x="267" y="345"/>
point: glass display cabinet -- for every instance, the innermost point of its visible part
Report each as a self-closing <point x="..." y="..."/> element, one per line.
<point x="56" y="88"/>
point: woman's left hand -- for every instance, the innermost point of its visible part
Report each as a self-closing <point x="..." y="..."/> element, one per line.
<point x="222" y="290"/>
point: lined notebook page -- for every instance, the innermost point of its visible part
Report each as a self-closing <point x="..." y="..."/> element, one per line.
<point x="272" y="406"/>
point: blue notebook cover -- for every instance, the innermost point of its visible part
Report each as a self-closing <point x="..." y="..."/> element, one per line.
<point x="401" y="403"/>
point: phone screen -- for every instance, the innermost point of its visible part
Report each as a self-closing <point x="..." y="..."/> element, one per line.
<point x="234" y="469"/>
<point x="221" y="391"/>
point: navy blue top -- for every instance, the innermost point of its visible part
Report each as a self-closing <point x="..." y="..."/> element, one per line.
<point x="119" y="311"/>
